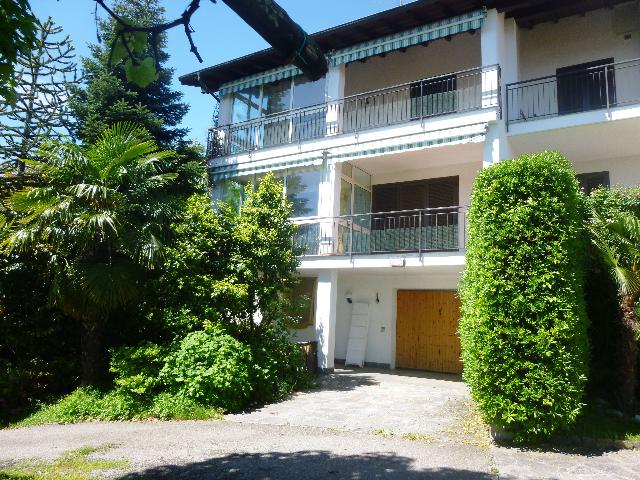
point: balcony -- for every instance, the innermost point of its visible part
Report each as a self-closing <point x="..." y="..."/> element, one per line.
<point x="597" y="87"/>
<point x="468" y="90"/>
<point x="409" y="231"/>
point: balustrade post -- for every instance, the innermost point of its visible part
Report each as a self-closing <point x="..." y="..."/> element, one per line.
<point x="606" y="85"/>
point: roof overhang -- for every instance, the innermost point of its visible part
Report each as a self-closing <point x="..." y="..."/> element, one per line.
<point x="527" y="13"/>
<point x="365" y="29"/>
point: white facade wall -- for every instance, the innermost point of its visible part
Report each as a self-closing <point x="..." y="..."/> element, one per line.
<point x="523" y="54"/>
<point x="622" y="171"/>
<point x="571" y="41"/>
<point x="382" y="333"/>
<point x="438" y="58"/>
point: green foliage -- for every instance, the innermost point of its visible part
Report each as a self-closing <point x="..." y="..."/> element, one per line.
<point x="110" y="95"/>
<point x="18" y="26"/>
<point x="43" y="74"/>
<point x="137" y="369"/>
<point x="167" y="406"/>
<point x="278" y="368"/>
<point x="101" y="215"/>
<point x="72" y="465"/>
<point x="602" y="296"/>
<point x="85" y="404"/>
<point x="224" y="266"/>
<point x="212" y="368"/>
<point x="523" y="327"/>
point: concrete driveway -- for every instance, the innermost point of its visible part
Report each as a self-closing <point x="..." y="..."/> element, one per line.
<point x="369" y="400"/>
<point x="358" y="424"/>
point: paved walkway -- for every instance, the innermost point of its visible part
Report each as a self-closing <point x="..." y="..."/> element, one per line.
<point x="363" y="424"/>
<point x="385" y="401"/>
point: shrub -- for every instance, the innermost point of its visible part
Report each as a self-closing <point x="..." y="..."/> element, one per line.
<point x="524" y="327"/>
<point x="137" y="369"/>
<point x="174" y="407"/>
<point x="211" y="368"/>
<point x="606" y="332"/>
<point x="278" y="368"/>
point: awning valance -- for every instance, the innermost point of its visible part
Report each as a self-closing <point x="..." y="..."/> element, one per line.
<point x="269" y="76"/>
<point x="234" y="170"/>
<point x="415" y="36"/>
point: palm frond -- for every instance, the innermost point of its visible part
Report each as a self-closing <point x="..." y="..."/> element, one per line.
<point x="110" y="286"/>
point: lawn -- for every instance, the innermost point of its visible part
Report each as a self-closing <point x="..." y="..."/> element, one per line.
<point x="73" y="465"/>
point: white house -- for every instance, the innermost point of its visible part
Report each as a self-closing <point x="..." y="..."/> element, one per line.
<point x="379" y="156"/>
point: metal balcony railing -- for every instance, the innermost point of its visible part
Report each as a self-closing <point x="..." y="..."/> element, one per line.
<point x="456" y="92"/>
<point x="594" y="88"/>
<point x="409" y="231"/>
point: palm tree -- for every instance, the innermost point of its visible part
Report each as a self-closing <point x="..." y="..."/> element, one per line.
<point x="100" y="216"/>
<point x="619" y="244"/>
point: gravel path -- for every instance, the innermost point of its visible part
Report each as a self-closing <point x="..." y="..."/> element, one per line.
<point x="364" y="424"/>
<point x="231" y="450"/>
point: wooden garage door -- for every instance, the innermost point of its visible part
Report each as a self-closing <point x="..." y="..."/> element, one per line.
<point x="426" y="330"/>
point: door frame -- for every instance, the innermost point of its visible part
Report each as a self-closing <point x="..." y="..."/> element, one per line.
<point x="394" y="352"/>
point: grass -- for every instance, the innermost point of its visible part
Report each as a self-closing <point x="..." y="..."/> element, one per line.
<point x="72" y="465"/>
<point x="418" y="437"/>
<point x="87" y="404"/>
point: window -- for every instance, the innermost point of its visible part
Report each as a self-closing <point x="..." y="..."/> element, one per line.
<point x="429" y="193"/>
<point x="303" y="190"/>
<point x="355" y="191"/>
<point x="276" y="97"/>
<point x="246" y="105"/>
<point x="303" y="302"/>
<point x="593" y="180"/>
<point x="584" y="87"/>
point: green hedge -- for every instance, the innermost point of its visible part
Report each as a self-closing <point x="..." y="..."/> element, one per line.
<point x="524" y="327"/>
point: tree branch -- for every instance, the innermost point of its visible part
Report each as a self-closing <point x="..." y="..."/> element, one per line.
<point x="154" y="30"/>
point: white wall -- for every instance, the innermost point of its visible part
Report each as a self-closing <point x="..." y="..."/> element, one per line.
<point x="570" y="41"/>
<point x="363" y="287"/>
<point x="417" y="62"/>
<point x="622" y="171"/>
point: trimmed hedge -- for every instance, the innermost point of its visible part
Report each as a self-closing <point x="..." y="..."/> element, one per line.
<point x="524" y="325"/>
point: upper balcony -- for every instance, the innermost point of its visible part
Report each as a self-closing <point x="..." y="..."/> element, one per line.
<point x="417" y="102"/>
<point x="597" y="87"/>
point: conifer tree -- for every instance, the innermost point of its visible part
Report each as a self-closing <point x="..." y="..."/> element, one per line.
<point x="42" y="77"/>
<point x="107" y="97"/>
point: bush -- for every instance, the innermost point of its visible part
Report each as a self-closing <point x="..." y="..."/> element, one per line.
<point x="602" y="298"/>
<point x="278" y="368"/>
<point x="211" y="368"/>
<point x="137" y="369"/>
<point x="524" y="327"/>
<point x="85" y="404"/>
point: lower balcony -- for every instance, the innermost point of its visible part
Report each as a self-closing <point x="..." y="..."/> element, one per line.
<point x="409" y="231"/>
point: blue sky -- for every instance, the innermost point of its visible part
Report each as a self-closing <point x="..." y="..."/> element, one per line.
<point x="219" y="35"/>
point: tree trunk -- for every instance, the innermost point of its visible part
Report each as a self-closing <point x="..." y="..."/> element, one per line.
<point x="91" y="344"/>
<point x="629" y="352"/>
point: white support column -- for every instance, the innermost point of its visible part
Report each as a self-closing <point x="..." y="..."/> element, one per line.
<point x="326" y="298"/>
<point x="499" y="46"/>
<point x="334" y="92"/>
<point x="327" y="209"/>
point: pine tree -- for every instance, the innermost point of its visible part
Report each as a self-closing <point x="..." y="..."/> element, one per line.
<point x="107" y="97"/>
<point x="42" y="78"/>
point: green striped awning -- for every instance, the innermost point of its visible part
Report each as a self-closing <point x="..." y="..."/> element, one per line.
<point x="425" y="33"/>
<point x="233" y="170"/>
<point x="269" y="76"/>
<point x="415" y="36"/>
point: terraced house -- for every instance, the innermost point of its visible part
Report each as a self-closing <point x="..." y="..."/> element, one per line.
<point x="379" y="156"/>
